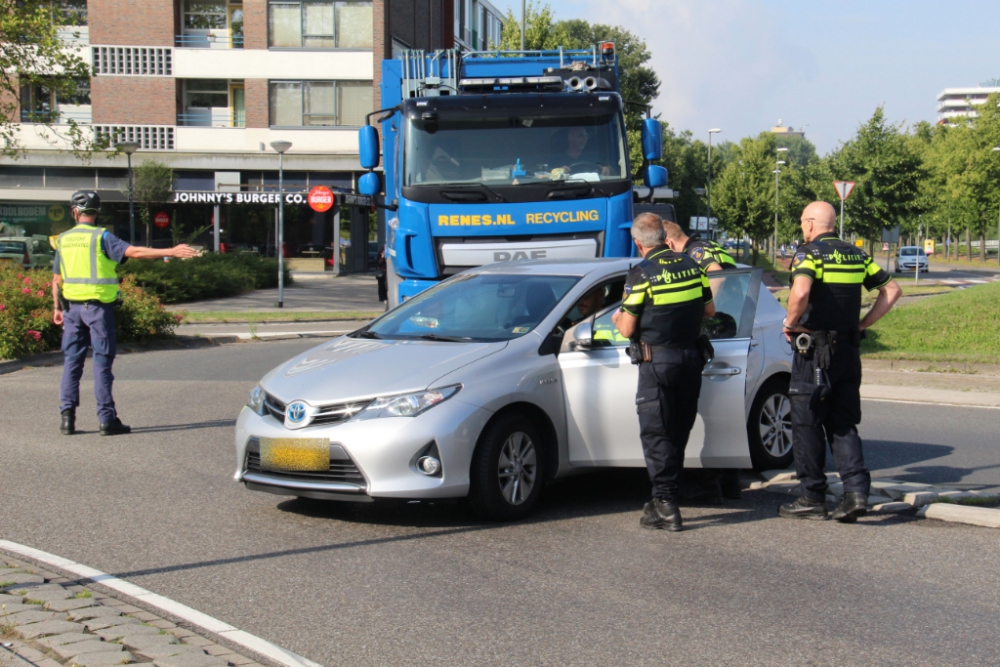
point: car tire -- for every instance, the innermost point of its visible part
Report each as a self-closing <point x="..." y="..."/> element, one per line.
<point x="508" y="469"/>
<point x="769" y="427"/>
<point x="898" y="270"/>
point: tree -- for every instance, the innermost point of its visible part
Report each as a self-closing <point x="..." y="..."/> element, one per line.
<point x="153" y="181"/>
<point x="34" y="57"/>
<point x="887" y="172"/>
<point x="743" y="194"/>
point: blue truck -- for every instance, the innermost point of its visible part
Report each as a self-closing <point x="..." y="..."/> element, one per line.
<point x="501" y="156"/>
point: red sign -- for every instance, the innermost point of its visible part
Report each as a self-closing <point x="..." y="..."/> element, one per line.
<point x="844" y="188"/>
<point x="321" y="198"/>
<point x="161" y="220"/>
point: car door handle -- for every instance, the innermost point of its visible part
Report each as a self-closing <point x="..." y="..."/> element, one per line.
<point x="729" y="370"/>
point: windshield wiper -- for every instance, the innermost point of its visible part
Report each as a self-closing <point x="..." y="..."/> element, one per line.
<point x="468" y="186"/>
<point x="574" y="191"/>
<point x="367" y="334"/>
<point x="445" y="339"/>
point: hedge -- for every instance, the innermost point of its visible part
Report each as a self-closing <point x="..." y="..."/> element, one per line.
<point x="210" y="276"/>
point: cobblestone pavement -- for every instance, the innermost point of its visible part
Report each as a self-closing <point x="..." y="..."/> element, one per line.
<point x="47" y="620"/>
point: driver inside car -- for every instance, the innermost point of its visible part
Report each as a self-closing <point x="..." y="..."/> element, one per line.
<point x="576" y="158"/>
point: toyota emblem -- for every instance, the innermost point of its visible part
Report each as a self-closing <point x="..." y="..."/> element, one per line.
<point x="295" y="413"/>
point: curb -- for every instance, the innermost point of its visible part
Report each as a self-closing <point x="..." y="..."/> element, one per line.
<point x="224" y="634"/>
<point x="890" y="496"/>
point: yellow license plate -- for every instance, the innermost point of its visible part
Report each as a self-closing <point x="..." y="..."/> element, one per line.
<point x="6" y="259"/>
<point x="294" y="454"/>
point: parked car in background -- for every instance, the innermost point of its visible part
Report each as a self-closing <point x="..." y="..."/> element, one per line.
<point x="493" y="383"/>
<point x="28" y="251"/>
<point x="909" y="256"/>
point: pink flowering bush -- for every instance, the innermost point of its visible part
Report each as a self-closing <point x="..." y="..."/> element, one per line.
<point x="26" y="313"/>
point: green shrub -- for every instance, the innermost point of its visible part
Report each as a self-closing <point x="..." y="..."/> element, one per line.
<point x="210" y="276"/>
<point x="26" y="314"/>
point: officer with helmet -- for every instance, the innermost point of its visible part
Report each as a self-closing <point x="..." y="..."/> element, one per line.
<point x="84" y="291"/>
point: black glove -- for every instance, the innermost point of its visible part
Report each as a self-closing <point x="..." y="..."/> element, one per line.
<point x="822" y="349"/>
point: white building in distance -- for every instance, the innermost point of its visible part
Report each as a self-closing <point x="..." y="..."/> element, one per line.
<point x="961" y="102"/>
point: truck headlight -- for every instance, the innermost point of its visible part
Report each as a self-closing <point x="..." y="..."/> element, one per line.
<point x="256" y="400"/>
<point x="407" y="405"/>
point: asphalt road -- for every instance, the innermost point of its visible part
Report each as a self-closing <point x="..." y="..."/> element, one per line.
<point x="580" y="584"/>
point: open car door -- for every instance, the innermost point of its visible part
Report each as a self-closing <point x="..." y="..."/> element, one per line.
<point x="599" y="384"/>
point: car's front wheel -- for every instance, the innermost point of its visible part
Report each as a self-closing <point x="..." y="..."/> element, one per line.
<point x="508" y="470"/>
<point x="770" y="427"/>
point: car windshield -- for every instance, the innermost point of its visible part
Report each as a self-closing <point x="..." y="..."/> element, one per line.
<point x="474" y="307"/>
<point x="910" y="252"/>
<point x="530" y="147"/>
<point x="12" y="247"/>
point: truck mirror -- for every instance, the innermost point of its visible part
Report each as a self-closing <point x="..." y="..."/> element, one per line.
<point x="656" y="176"/>
<point x="652" y="139"/>
<point x="369" y="184"/>
<point x="368" y="148"/>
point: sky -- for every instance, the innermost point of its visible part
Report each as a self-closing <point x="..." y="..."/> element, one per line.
<point x="741" y="65"/>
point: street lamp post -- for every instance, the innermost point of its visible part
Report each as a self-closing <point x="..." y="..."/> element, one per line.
<point x="129" y="147"/>
<point x="714" y="130"/>
<point x="281" y="147"/>
<point x="777" y="173"/>
<point x="697" y="209"/>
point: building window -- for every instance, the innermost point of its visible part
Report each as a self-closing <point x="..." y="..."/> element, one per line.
<point x="320" y="103"/>
<point x="213" y="102"/>
<point x="205" y="15"/>
<point x="42" y="103"/>
<point x="69" y="12"/>
<point x="323" y="24"/>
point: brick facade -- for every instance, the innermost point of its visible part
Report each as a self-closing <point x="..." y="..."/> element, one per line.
<point x="133" y="22"/>
<point x="256" y="102"/>
<point x="134" y="100"/>
<point x="255" y="24"/>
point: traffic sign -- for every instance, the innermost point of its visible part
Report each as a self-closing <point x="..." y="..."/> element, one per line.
<point x="162" y="220"/>
<point x="843" y="188"/>
<point x="320" y="199"/>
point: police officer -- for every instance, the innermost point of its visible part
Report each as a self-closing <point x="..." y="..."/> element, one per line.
<point x="85" y="289"/>
<point x="666" y="297"/>
<point x="825" y="303"/>
<point x="715" y="484"/>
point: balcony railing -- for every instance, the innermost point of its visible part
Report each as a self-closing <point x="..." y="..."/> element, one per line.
<point x="231" y="118"/>
<point x="56" y="117"/>
<point x="209" y="41"/>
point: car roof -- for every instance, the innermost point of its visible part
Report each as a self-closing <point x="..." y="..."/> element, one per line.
<point x="558" y="267"/>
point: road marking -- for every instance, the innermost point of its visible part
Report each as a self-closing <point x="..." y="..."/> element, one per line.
<point x="953" y="405"/>
<point x="171" y="607"/>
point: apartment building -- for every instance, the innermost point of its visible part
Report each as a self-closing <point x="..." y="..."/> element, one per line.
<point x="205" y="86"/>
<point x="962" y="102"/>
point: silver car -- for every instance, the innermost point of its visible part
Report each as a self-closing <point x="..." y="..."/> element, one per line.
<point x="500" y="379"/>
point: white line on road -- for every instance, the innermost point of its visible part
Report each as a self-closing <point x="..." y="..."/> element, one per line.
<point x="193" y="616"/>
<point x="953" y="405"/>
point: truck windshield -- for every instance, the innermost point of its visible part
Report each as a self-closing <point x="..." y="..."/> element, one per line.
<point x="516" y="150"/>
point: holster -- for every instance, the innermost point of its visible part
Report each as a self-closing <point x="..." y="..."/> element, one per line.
<point x="639" y="352"/>
<point x="821" y="390"/>
<point x="707" y="350"/>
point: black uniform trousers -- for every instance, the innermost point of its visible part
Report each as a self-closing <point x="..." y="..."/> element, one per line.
<point x="833" y="420"/>
<point x="667" y="404"/>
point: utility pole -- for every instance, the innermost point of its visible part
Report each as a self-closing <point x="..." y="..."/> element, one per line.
<point x="777" y="174"/>
<point x="714" y="130"/>
<point x="523" y="3"/>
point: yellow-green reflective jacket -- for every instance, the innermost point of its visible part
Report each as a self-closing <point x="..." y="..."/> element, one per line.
<point x="87" y="274"/>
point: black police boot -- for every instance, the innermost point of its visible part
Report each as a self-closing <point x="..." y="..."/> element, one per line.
<point x="669" y="514"/>
<point x="729" y="484"/>
<point x="68" y="426"/>
<point x="650" y="519"/>
<point x="115" y="428"/>
<point x="803" y="508"/>
<point x="853" y="506"/>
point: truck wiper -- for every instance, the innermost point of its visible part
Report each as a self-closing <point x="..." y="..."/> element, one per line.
<point x="469" y="186"/>
<point x="574" y="191"/>
<point x="445" y="339"/>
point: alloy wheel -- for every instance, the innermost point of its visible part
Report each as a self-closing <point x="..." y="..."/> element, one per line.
<point x="776" y="425"/>
<point x="517" y="468"/>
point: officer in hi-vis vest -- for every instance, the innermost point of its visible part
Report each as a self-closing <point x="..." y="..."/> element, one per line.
<point x="85" y="289"/>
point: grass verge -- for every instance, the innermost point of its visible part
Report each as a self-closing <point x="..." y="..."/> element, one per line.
<point x="961" y="326"/>
<point x="226" y="317"/>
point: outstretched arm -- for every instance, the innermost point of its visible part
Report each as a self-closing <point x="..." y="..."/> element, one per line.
<point x="180" y="251"/>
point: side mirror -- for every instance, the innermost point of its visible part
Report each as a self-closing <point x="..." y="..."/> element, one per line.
<point x="656" y="176"/>
<point x="368" y="148"/>
<point x="652" y="139"/>
<point x="369" y="184"/>
<point x="583" y="336"/>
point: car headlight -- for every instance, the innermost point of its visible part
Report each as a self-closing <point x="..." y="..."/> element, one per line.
<point x="407" y="405"/>
<point x="256" y="400"/>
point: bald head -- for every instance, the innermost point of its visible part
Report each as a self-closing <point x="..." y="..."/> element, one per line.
<point x="818" y="218"/>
